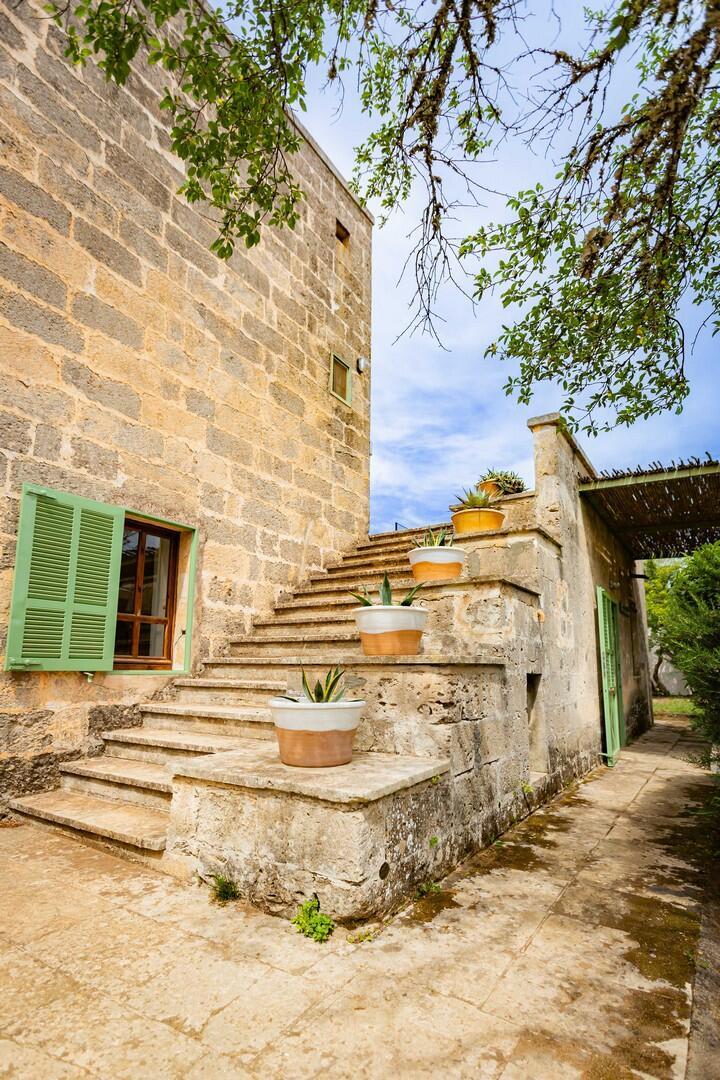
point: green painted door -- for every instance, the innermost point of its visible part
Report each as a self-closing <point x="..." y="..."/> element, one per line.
<point x="609" y="633"/>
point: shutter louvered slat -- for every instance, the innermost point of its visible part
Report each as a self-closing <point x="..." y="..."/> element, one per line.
<point x="66" y="583"/>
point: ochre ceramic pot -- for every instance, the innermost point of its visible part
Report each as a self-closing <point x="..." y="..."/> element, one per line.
<point x="312" y="735"/>
<point x="478" y="520"/>
<point x="390" y="629"/>
<point x="489" y="487"/>
<point x="436" y="563"/>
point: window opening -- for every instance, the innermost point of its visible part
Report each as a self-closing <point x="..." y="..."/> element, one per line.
<point x="146" y="596"/>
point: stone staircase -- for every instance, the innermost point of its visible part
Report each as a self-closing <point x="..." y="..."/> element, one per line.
<point x="122" y="799"/>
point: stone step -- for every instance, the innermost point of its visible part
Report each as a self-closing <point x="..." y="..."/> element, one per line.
<point x="370" y="577"/>
<point x="316" y="640"/>
<point x="401" y="582"/>
<point x="294" y="620"/>
<point x="140" y="829"/>
<point x="162" y="746"/>
<point x="216" y="720"/>
<point x="359" y="835"/>
<point x="140" y="782"/>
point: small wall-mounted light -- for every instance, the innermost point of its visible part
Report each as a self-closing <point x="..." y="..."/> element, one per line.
<point x="362" y="363"/>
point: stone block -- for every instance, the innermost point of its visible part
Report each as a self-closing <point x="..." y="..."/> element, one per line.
<point x="100" y="316"/>
<point x="132" y="173"/>
<point x="114" y="395"/>
<point x="39" y="321"/>
<point x="15" y="433"/>
<point x="357" y="836"/>
<point x="108" y="251"/>
<point x="27" y="275"/>
<point x="96" y="460"/>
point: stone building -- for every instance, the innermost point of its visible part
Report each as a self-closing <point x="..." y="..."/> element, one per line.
<point x="184" y="450"/>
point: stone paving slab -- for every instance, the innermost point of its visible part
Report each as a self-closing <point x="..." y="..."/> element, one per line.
<point x="566" y="951"/>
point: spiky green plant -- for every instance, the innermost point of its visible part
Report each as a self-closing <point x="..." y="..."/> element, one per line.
<point x="323" y="693"/>
<point x="223" y="889"/>
<point x="509" y="482"/>
<point x="441" y="538"/>
<point x="472" y="499"/>
<point x="385" y="593"/>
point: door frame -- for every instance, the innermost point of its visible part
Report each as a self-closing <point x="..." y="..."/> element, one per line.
<point x="608" y="617"/>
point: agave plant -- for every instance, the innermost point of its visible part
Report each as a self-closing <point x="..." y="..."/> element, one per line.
<point x="441" y="538"/>
<point x="386" y="595"/>
<point x="323" y="693"/>
<point x="472" y="499"/>
<point x="508" y="482"/>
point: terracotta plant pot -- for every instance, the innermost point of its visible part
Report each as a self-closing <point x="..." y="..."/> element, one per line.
<point x="489" y="487"/>
<point x="436" y="563"/>
<point x="479" y="520"/>
<point x="390" y="630"/>
<point x="313" y="735"/>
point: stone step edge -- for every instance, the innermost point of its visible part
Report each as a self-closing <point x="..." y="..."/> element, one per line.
<point x="431" y="587"/>
<point x="117" y="776"/>
<point x="488" y="659"/>
<point x="143" y="843"/>
<point x="324" y="638"/>
<point x="345" y="784"/>
<point x="245" y="715"/>
<point x="196" y="742"/>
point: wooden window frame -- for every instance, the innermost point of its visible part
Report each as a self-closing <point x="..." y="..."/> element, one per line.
<point x="135" y="661"/>
<point x="345" y="400"/>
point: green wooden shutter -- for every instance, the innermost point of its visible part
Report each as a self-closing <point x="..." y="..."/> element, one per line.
<point x="65" y="592"/>
<point x="610" y="669"/>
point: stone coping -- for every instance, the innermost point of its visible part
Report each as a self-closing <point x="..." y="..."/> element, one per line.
<point x="483" y="534"/>
<point x="368" y="777"/>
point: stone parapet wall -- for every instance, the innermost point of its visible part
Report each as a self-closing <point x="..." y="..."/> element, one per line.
<point x="138" y="369"/>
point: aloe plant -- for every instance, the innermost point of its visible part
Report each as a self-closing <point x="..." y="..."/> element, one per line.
<point x="441" y="538"/>
<point x="385" y="593"/>
<point x="472" y="499"/>
<point x="508" y="482"/>
<point x="323" y="693"/>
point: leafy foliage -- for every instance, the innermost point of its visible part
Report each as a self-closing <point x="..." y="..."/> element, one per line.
<point x="385" y="595"/>
<point x="472" y="499"/>
<point x="597" y="267"/>
<point x="322" y="692"/>
<point x="441" y="538"/>
<point x="312" y="922"/>
<point x="224" y="889"/>
<point x="509" y="482"/>
<point x="657" y="597"/>
<point x="691" y="634"/>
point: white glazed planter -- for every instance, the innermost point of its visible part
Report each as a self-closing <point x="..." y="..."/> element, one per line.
<point x="437" y="563"/>
<point x="390" y="629"/>
<point x="315" y="735"/>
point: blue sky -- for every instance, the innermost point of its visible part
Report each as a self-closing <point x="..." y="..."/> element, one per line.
<point x="440" y="416"/>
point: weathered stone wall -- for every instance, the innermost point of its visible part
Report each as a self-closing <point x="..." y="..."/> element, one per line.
<point x="138" y="369"/>
<point x="587" y="554"/>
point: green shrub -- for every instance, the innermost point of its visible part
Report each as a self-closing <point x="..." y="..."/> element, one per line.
<point x="691" y="634"/>
<point x="224" y="889"/>
<point x="312" y="922"/>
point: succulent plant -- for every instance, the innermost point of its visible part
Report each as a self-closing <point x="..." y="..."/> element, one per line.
<point x="441" y="538"/>
<point x="472" y="499"/>
<point x="508" y="482"/>
<point x="386" y="595"/>
<point x="323" y="693"/>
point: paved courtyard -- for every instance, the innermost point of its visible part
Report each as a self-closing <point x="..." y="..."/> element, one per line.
<point x="566" y="950"/>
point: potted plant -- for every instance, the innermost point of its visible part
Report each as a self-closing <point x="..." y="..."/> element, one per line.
<point x="474" y="514"/>
<point x="316" y="729"/>
<point x="434" y="558"/>
<point x="501" y="482"/>
<point x="388" y="629"/>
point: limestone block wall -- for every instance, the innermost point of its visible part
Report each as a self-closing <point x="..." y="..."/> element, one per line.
<point x="138" y="369"/>
<point x="585" y="554"/>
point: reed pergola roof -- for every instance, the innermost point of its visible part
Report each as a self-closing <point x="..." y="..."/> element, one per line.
<point x="660" y="512"/>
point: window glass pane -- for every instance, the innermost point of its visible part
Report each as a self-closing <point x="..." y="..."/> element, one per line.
<point x="152" y="639"/>
<point x="128" y="571"/>
<point x="123" y="638"/>
<point x="155" y="576"/>
<point x="340" y="375"/>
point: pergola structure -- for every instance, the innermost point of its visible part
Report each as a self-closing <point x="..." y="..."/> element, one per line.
<point x="660" y="512"/>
